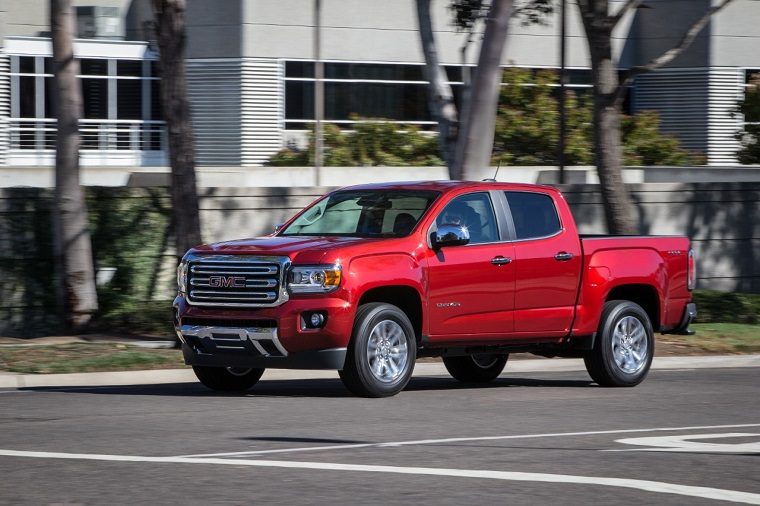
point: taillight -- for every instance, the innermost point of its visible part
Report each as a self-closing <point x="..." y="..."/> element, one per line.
<point x="691" y="271"/>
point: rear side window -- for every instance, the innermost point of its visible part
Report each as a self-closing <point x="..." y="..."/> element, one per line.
<point x="534" y="214"/>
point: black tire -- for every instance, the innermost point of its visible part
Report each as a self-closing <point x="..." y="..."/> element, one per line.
<point x="371" y="359"/>
<point x="612" y="362"/>
<point x="480" y="368"/>
<point x="228" y="379"/>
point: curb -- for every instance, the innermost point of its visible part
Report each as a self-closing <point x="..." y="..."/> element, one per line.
<point x="164" y="376"/>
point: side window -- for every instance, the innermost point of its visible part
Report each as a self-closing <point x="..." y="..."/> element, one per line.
<point x="534" y="214"/>
<point x="475" y="212"/>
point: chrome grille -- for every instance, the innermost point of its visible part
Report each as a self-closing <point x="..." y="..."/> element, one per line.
<point x="236" y="280"/>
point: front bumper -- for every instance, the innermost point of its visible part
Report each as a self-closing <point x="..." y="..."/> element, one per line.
<point x="273" y="337"/>
<point x="315" y="359"/>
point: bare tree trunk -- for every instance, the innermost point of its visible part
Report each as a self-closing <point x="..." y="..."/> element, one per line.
<point x="440" y="96"/>
<point x="620" y="212"/>
<point x="77" y="297"/>
<point x="609" y="93"/>
<point x="477" y="122"/>
<point x="170" y="31"/>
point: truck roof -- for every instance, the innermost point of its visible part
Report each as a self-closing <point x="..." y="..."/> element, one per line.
<point x="445" y="186"/>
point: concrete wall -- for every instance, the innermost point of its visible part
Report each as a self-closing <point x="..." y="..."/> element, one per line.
<point x="31" y="18"/>
<point x="299" y="177"/>
<point x="214" y="28"/>
<point x="387" y="31"/>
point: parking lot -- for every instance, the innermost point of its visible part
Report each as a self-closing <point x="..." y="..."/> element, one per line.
<point x="685" y="436"/>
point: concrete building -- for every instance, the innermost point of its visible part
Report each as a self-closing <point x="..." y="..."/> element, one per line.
<point x="251" y="76"/>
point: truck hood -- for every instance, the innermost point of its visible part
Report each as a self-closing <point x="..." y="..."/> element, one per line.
<point x="312" y="249"/>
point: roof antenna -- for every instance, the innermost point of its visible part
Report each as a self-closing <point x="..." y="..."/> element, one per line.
<point x="493" y="179"/>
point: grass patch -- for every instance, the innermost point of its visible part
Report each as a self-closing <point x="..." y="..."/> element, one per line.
<point x="88" y="357"/>
<point x="717" y="338"/>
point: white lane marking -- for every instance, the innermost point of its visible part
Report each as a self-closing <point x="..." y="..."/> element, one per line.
<point x="466" y="439"/>
<point x="686" y="443"/>
<point x="645" y="485"/>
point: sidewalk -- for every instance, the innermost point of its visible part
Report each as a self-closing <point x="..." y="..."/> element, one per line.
<point x="156" y="377"/>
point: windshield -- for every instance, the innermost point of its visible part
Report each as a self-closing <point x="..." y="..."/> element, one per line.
<point x="364" y="213"/>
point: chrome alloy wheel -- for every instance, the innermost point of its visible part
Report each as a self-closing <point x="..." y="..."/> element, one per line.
<point x="387" y="352"/>
<point x="629" y="344"/>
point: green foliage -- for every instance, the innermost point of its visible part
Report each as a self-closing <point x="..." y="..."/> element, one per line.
<point x="644" y="144"/>
<point x="369" y="143"/>
<point x="130" y="232"/>
<point x="725" y="307"/>
<point x="750" y="136"/>
<point x="527" y="127"/>
<point x="527" y="122"/>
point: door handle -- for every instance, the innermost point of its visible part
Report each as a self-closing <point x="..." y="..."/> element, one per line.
<point x="563" y="256"/>
<point x="500" y="260"/>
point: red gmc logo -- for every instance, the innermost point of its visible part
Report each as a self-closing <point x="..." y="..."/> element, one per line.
<point x="227" y="281"/>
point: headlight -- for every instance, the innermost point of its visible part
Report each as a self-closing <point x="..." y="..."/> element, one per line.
<point x="182" y="276"/>
<point x="314" y="278"/>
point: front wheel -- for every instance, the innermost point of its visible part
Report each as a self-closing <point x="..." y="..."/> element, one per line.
<point x="381" y="355"/>
<point x="228" y="379"/>
<point x="477" y="368"/>
<point x="624" y="346"/>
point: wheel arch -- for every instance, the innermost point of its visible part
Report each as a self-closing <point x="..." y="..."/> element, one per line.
<point x="644" y="295"/>
<point x="406" y="298"/>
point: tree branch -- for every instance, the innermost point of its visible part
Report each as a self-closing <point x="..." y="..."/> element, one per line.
<point x="629" y="5"/>
<point x="670" y="54"/>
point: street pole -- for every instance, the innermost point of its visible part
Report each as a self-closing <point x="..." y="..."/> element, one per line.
<point x="319" y="93"/>
<point x="562" y="78"/>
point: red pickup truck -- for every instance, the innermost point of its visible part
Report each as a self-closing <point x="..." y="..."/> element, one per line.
<point x="369" y="278"/>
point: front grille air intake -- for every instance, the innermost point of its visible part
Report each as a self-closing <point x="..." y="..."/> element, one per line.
<point x="236" y="280"/>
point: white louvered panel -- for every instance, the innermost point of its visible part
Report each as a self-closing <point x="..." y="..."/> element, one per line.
<point x="681" y="98"/>
<point x="214" y="90"/>
<point x="5" y="106"/>
<point x="262" y="110"/>
<point x="726" y="89"/>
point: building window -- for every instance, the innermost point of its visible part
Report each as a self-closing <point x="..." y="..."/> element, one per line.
<point x="382" y="91"/>
<point x="120" y="108"/>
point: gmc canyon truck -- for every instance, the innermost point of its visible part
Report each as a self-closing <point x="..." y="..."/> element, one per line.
<point x="369" y="278"/>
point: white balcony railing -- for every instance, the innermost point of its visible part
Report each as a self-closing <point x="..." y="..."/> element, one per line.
<point x="96" y="135"/>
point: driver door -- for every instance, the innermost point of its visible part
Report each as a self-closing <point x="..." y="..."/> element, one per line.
<point x="471" y="287"/>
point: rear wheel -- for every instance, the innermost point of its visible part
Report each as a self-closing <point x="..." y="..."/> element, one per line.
<point x="477" y="368"/>
<point x="624" y="346"/>
<point x="381" y="355"/>
<point x="228" y="379"/>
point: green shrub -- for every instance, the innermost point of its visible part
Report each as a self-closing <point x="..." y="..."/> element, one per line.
<point x="644" y="144"/>
<point x="368" y="143"/>
<point x="727" y="307"/>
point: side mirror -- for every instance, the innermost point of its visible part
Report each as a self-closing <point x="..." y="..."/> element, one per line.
<point x="449" y="235"/>
<point x="278" y="227"/>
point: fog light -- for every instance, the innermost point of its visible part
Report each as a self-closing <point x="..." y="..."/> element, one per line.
<point x="313" y="320"/>
<point x="317" y="320"/>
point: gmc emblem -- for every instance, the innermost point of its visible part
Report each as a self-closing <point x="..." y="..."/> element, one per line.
<point x="227" y="281"/>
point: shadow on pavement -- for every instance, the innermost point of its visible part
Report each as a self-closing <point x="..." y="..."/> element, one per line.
<point x="331" y="388"/>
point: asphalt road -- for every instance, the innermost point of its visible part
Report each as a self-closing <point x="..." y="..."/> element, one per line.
<point x="682" y="437"/>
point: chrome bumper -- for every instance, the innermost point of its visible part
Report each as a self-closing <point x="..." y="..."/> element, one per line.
<point x="212" y="340"/>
